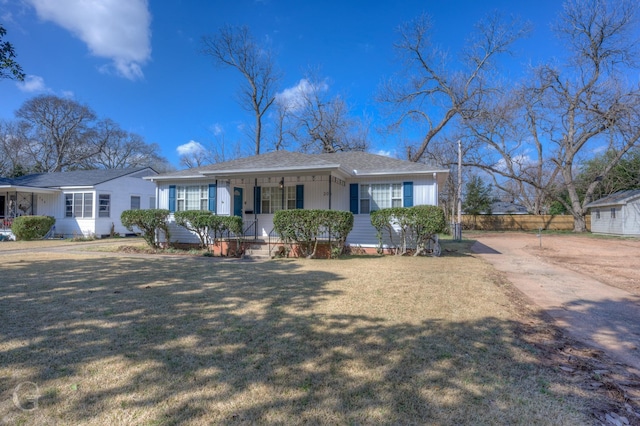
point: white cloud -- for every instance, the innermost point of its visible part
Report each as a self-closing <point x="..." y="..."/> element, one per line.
<point x="292" y="98"/>
<point x="385" y="153"/>
<point x="33" y="84"/>
<point x="114" y="29"/>
<point x="217" y="129"/>
<point x="190" y="148"/>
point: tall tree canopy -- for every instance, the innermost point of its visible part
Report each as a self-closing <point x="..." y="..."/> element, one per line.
<point x="538" y="134"/>
<point x="9" y="68"/>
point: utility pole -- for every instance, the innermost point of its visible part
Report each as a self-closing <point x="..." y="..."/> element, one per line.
<point x="458" y="230"/>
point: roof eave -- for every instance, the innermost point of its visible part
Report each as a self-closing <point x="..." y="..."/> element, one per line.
<point x="272" y="170"/>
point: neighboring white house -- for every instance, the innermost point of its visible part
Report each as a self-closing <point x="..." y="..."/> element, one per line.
<point x="83" y="202"/>
<point x="256" y="187"/>
<point x="617" y="214"/>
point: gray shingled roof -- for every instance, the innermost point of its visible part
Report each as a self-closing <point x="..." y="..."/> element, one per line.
<point x="363" y="162"/>
<point x="74" y="178"/>
<point x="618" y="198"/>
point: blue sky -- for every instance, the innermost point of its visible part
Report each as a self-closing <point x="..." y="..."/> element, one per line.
<point x="138" y="62"/>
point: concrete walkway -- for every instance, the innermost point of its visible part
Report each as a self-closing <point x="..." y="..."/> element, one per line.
<point x="599" y="315"/>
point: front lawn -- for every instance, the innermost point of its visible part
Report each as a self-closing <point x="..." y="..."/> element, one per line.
<point x="164" y="340"/>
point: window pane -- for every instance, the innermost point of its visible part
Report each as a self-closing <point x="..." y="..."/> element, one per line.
<point x="104" y="201"/>
<point x="88" y="205"/>
<point x="380" y="197"/>
<point x="364" y="206"/>
<point x="364" y="191"/>
<point x="396" y="203"/>
<point x="68" y="205"/>
<point x="396" y="190"/>
<point x="135" y="202"/>
<point x="77" y="205"/>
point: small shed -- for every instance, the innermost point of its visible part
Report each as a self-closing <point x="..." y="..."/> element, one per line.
<point x="617" y="214"/>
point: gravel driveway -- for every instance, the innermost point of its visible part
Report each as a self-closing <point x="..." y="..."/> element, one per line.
<point x="587" y="285"/>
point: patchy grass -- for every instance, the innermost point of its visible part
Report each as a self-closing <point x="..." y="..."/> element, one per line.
<point x="163" y="340"/>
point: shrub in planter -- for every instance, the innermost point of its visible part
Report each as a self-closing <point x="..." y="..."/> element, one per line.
<point x="304" y="227"/>
<point x="149" y="222"/>
<point x="31" y="227"/>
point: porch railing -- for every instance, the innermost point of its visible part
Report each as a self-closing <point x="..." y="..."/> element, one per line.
<point x="250" y="228"/>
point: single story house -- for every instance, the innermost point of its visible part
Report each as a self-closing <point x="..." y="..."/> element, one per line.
<point x="83" y="202"/>
<point x="255" y="187"/>
<point x="617" y="214"/>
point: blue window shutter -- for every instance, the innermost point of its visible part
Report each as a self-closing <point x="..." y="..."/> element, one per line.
<point x="212" y="197"/>
<point x="257" y="197"/>
<point x="172" y="198"/>
<point x="353" y="198"/>
<point x="408" y="194"/>
<point x="299" y="196"/>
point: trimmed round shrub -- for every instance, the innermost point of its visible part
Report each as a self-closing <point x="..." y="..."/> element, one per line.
<point x="31" y="227"/>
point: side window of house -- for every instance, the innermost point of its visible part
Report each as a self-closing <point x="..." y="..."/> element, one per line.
<point x="192" y="197"/>
<point x="613" y="212"/>
<point x="135" y="202"/>
<point x="598" y="214"/>
<point x="376" y="196"/>
<point x="79" y="204"/>
<point x="104" y="205"/>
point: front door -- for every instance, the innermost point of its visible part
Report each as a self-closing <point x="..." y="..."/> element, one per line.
<point x="237" y="202"/>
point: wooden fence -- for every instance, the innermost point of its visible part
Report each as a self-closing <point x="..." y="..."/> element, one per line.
<point x="521" y="222"/>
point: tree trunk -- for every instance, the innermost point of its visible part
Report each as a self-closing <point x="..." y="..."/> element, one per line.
<point x="579" y="222"/>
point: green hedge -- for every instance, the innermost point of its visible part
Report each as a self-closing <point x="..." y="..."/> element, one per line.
<point x="416" y="225"/>
<point x="304" y="227"/>
<point x="149" y="222"/>
<point x="31" y="227"/>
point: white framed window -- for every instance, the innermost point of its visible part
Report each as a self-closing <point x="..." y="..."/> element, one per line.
<point x="377" y="196"/>
<point x="104" y="205"/>
<point x="598" y="214"/>
<point x="135" y="202"/>
<point x="193" y="197"/>
<point x="613" y="212"/>
<point x="271" y="199"/>
<point x="78" y="204"/>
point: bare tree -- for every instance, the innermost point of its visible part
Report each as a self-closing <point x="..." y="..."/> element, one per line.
<point x="12" y="157"/>
<point x="121" y="149"/>
<point x="318" y="122"/>
<point x="432" y="91"/>
<point x="589" y="103"/>
<point x="235" y="47"/>
<point x="504" y="140"/>
<point x="57" y="133"/>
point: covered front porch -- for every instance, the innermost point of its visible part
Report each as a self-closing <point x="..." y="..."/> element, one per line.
<point x="256" y="197"/>
<point x="18" y="201"/>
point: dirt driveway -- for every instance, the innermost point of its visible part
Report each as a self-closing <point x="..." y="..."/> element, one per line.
<point x="590" y="286"/>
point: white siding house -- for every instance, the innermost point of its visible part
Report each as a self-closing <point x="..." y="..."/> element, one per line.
<point x="255" y="187"/>
<point x="617" y="214"/>
<point x="84" y="202"/>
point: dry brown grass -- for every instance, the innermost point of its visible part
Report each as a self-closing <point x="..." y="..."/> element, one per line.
<point x="129" y="340"/>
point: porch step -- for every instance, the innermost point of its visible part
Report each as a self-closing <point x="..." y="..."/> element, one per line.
<point x="257" y="251"/>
